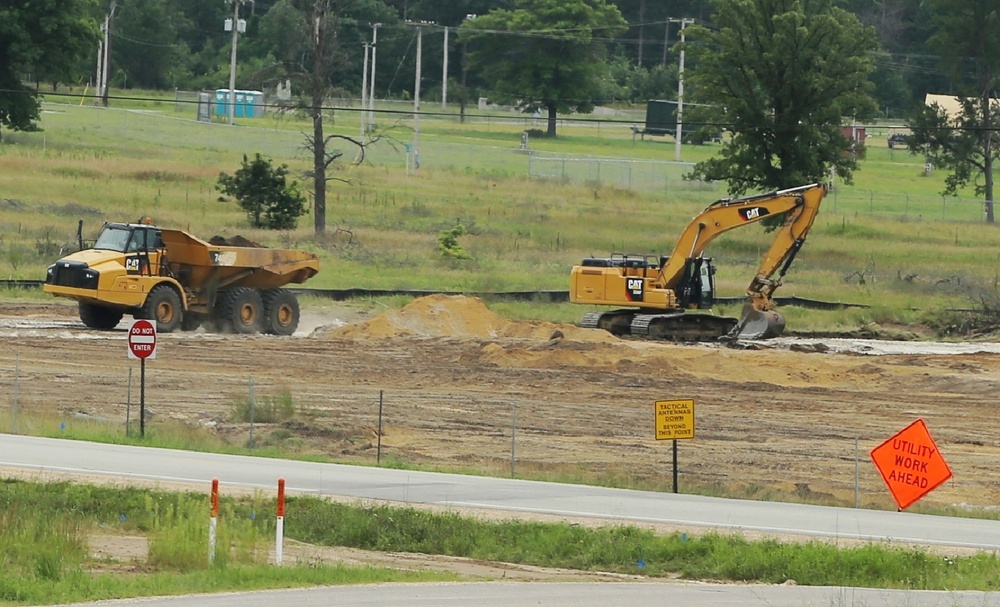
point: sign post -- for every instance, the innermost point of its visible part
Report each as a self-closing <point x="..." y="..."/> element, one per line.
<point x="674" y="420"/>
<point x="142" y="345"/>
<point x="910" y="464"/>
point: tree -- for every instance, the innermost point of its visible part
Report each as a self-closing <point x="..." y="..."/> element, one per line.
<point x="782" y="76"/>
<point x="41" y="37"/>
<point x="545" y="53"/>
<point x="968" y="143"/>
<point x="264" y="192"/>
<point x="316" y="53"/>
<point x="147" y="51"/>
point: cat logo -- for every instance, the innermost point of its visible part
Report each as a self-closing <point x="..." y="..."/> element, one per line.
<point x="133" y="265"/>
<point x="634" y="288"/>
<point x="753" y="213"/>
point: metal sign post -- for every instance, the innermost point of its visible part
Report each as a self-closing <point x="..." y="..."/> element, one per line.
<point x="142" y="345"/>
<point x="674" y="420"/>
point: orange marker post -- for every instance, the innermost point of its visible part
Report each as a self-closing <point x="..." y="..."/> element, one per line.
<point x="212" y="520"/>
<point x="279" y="528"/>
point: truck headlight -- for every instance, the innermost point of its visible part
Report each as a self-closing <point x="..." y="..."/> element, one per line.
<point x="50" y="274"/>
<point x="89" y="279"/>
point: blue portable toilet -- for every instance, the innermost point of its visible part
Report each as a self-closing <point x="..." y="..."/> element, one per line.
<point x="221" y="102"/>
<point x="254" y="104"/>
<point x="240" y="110"/>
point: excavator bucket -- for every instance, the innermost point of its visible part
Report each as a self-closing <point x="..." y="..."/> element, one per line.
<point x="755" y="324"/>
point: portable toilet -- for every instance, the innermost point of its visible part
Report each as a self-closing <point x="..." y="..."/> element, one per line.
<point x="254" y="104"/>
<point x="221" y="102"/>
<point x="241" y="100"/>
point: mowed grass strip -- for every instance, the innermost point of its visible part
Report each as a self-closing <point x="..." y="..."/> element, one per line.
<point x="45" y="556"/>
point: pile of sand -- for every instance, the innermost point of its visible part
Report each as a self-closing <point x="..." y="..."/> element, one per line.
<point x="458" y="316"/>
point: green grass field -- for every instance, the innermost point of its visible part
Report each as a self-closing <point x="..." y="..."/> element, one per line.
<point x="890" y="240"/>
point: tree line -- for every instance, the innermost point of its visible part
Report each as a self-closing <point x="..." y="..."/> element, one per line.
<point x="168" y="44"/>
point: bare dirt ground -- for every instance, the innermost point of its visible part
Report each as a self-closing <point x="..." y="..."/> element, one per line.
<point x="791" y="419"/>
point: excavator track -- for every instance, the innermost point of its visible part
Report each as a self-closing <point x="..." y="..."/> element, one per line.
<point x="677" y="326"/>
<point x="682" y="327"/>
<point x="616" y="322"/>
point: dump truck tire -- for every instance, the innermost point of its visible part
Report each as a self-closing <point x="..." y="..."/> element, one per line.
<point x="191" y="321"/>
<point x="281" y="311"/>
<point x="241" y="311"/>
<point x="100" y="317"/>
<point x="163" y="306"/>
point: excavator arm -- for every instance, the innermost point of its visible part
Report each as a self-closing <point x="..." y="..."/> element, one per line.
<point x="759" y="318"/>
<point x="800" y="205"/>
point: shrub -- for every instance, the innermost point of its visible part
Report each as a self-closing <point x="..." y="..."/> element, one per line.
<point x="264" y="192"/>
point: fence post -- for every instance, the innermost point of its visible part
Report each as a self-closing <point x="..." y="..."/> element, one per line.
<point x="513" y="438"/>
<point x="17" y="365"/>
<point x="378" y="452"/>
<point x="253" y="404"/>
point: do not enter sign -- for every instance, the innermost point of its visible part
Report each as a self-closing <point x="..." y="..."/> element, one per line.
<point x="142" y="340"/>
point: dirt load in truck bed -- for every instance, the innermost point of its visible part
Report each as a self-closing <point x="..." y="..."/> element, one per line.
<point x="773" y="423"/>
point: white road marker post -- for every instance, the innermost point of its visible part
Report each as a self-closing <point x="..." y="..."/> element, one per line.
<point x="213" y="521"/>
<point x="279" y="528"/>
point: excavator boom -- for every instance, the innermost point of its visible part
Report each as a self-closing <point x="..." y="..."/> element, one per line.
<point x="659" y="292"/>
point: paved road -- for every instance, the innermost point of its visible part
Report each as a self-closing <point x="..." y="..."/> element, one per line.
<point x="505" y="594"/>
<point x="53" y="455"/>
<point x="494" y="493"/>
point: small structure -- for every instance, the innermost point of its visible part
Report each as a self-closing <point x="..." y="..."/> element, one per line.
<point x="661" y="119"/>
<point x="248" y="104"/>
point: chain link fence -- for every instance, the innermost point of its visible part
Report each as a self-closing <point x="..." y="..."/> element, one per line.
<point x="511" y="156"/>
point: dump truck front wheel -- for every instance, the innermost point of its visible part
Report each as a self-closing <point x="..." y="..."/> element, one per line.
<point x="281" y="311"/>
<point x="241" y="310"/>
<point x="100" y="317"/>
<point x="163" y="305"/>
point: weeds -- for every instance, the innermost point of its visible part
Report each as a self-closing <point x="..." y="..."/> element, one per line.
<point x="266" y="409"/>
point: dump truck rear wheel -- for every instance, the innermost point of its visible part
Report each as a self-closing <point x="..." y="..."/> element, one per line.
<point x="241" y="310"/>
<point x="191" y="321"/>
<point x="100" y="317"/>
<point x="281" y="311"/>
<point x="163" y="305"/>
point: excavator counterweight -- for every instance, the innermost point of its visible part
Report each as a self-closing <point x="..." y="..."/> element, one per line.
<point x="670" y="297"/>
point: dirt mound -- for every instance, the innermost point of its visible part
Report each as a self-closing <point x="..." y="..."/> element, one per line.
<point x="458" y="316"/>
<point x="234" y="241"/>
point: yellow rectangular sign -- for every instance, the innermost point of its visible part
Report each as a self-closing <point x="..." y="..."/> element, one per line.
<point x="674" y="419"/>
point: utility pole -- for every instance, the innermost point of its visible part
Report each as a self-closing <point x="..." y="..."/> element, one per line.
<point x="416" y="104"/>
<point x="680" y="93"/>
<point x="237" y="26"/>
<point x="371" y="88"/>
<point x="444" y="75"/>
<point x="102" y="68"/>
<point x="364" y="90"/>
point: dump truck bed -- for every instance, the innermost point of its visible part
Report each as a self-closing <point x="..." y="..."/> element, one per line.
<point x="197" y="262"/>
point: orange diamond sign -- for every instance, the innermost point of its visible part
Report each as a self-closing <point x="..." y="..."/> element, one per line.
<point x="910" y="464"/>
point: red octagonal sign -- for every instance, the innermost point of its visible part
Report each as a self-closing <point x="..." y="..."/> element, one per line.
<point x="142" y="339"/>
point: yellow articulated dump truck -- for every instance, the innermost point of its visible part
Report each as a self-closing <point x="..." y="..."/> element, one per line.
<point x="181" y="282"/>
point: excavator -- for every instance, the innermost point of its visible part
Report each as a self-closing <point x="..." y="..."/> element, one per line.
<point x="670" y="297"/>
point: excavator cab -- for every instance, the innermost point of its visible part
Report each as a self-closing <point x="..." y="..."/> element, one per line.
<point x="696" y="289"/>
